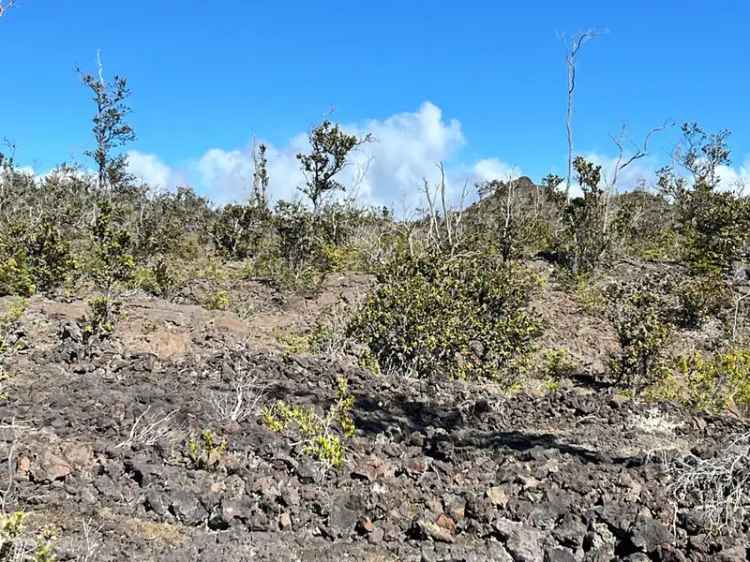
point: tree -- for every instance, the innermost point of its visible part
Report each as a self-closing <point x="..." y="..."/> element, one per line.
<point x="330" y="147"/>
<point x="110" y="129"/>
<point x="4" y="6"/>
<point x="260" y="176"/>
<point x="575" y="46"/>
<point x="713" y="222"/>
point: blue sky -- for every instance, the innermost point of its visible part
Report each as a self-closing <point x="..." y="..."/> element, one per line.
<point x="480" y="84"/>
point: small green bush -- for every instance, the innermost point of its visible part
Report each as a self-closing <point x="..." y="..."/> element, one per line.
<point x="642" y="315"/>
<point x="16" y="277"/>
<point x="321" y="438"/>
<point x="465" y="317"/>
<point x="34" y="256"/>
<point x="206" y="450"/>
<point x="701" y="296"/>
<point x="218" y="300"/>
<point x="710" y="384"/>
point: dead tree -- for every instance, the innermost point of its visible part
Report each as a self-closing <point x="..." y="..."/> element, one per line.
<point x="5" y="6"/>
<point x="624" y="161"/>
<point x="576" y="44"/>
<point x="445" y="223"/>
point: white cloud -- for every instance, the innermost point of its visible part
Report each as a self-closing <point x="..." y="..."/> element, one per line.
<point x="152" y="171"/>
<point x="735" y="179"/>
<point x="492" y="168"/>
<point x="406" y="147"/>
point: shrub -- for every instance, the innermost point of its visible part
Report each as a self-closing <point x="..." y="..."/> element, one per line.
<point x="206" y="450"/>
<point x="329" y="149"/>
<point x="713" y="224"/>
<point x="701" y="296"/>
<point x="218" y="300"/>
<point x="157" y="280"/>
<point x="716" y="488"/>
<point x="103" y="312"/>
<point x="642" y="315"/>
<point x="709" y="384"/>
<point x="463" y="317"/>
<point x="33" y="257"/>
<point x="586" y="235"/>
<point x="16" y="277"/>
<point x="9" y="339"/>
<point x="239" y="228"/>
<point x="557" y="363"/>
<point x="18" y="545"/>
<point x="321" y="439"/>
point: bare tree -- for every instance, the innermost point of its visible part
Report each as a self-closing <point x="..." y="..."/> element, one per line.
<point x="444" y="225"/>
<point x="623" y="161"/>
<point x="574" y="48"/>
<point x="4" y="6"/>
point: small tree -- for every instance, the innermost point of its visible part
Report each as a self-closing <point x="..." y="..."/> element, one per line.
<point x="113" y="261"/>
<point x="585" y="219"/>
<point x="260" y="176"/>
<point x="713" y="223"/>
<point x="330" y="147"/>
<point x="110" y="129"/>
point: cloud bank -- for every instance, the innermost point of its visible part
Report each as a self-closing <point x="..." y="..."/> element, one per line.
<point x="406" y="148"/>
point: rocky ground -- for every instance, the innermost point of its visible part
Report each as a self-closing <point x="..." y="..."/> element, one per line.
<point x="94" y="446"/>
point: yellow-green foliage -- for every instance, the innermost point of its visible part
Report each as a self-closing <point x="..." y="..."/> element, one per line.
<point x="7" y="321"/>
<point x="557" y="363"/>
<point x="709" y="384"/>
<point x="662" y="246"/>
<point x="465" y="316"/>
<point x="369" y="362"/>
<point x="218" y="300"/>
<point x="294" y="342"/>
<point x="283" y="275"/>
<point x="340" y="258"/>
<point x="321" y="441"/>
<point x="157" y="280"/>
<point x="206" y="450"/>
<point x="16" y="277"/>
<point x="642" y="316"/>
<point x="103" y="311"/>
<point x="588" y="296"/>
<point x="16" y="546"/>
<point x="701" y="296"/>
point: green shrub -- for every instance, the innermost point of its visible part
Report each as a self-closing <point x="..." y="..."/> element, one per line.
<point x="586" y="238"/>
<point x="239" y="228"/>
<point x="322" y="440"/>
<point x="701" y="296"/>
<point x="158" y="280"/>
<point x="33" y="257"/>
<point x="206" y="450"/>
<point x="462" y="317"/>
<point x="18" y="545"/>
<point x="16" y="277"/>
<point x="714" y="224"/>
<point x="642" y="315"/>
<point x="709" y="384"/>
<point x="112" y="264"/>
<point x="103" y="311"/>
<point x="218" y="300"/>
<point x="557" y="363"/>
